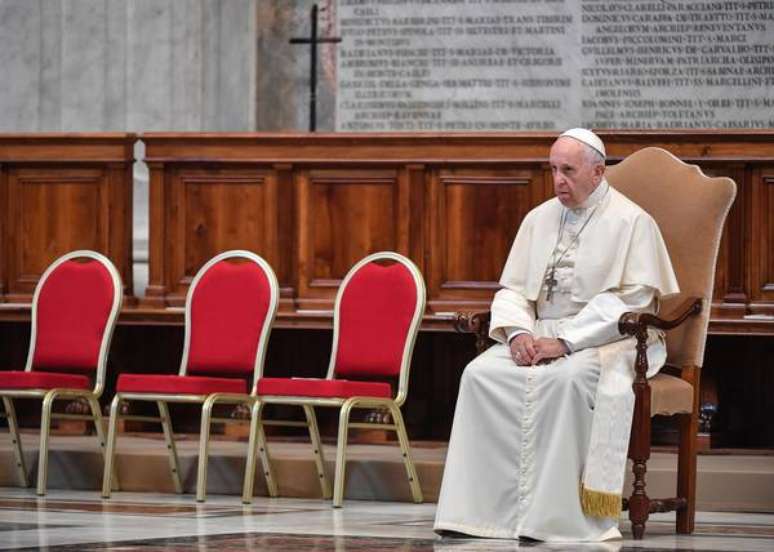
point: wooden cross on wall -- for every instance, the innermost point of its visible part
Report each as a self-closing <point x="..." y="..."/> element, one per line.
<point x="313" y="40"/>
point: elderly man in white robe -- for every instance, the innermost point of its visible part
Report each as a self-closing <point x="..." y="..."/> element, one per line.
<point x="541" y="430"/>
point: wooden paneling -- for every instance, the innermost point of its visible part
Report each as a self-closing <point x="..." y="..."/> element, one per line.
<point x="312" y="205"/>
<point x="60" y="192"/>
<point x="344" y="215"/>
<point x="451" y="202"/>
<point x="476" y="213"/>
<point x="81" y="226"/>
<point x="762" y="241"/>
<point x="730" y="296"/>
<point x="199" y="211"/>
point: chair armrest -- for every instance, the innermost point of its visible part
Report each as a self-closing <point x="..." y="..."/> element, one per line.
<point x="476" y="323"/>
<point x="632" y="322"/>
<point x="637" y="323"/>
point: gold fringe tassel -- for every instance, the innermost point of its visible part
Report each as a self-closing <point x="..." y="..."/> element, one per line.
<point x="600" y="504"/>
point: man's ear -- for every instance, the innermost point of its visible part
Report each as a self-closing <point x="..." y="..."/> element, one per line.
<point x="599" y="171"/>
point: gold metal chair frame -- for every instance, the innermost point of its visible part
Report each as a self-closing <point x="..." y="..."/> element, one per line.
<point x="258" y="445"/>
<point x="208" y="402"/>
<point x="50" y="395"/>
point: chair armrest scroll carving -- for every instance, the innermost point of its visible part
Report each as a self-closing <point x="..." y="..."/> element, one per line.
<point x="637" y="323"/>
<point x="630" y="322"/>
<point x="476" y="323"/>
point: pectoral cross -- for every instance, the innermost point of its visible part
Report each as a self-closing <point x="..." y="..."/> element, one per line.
<point x="550" y="284"/>
<point x="313" y="41"/>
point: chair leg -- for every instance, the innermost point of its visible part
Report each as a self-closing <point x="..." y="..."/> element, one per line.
<point x="204" y="449"/>
<point x="686" y="473"/>
<point x="319" y="457"/>
<point x="111" y="447"/>
<point x="18" y="452"/>
<point x="169" y="437"/>
<point x="341" y="454"/>
<point x="45" y="430"/>
<point x="100" y="428"/>
<point x="639" y="502"/>
<point x="400" y="428"/>
<point x="257" y="445"/>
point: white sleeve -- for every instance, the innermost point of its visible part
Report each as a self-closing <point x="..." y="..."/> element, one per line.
<point x="510" y="311"/>
<point x="597" y="323"/>
<point x="513" y="332"/>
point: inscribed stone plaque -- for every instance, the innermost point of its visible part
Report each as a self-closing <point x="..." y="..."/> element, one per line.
<point x="516" y="65"/>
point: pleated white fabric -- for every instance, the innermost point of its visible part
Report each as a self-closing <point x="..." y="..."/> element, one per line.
<point x="516" y="453"/>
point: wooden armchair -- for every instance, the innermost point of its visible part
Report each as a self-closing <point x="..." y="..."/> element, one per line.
<point x="690" y="209"/>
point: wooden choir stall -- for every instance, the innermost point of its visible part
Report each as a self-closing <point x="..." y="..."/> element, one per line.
<point x="314" y="204"/>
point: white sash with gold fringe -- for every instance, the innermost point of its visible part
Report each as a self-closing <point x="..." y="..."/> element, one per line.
<point x="605" y="467"/>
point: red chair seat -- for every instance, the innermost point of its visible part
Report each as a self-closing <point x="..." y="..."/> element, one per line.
<point x="322" y="388"/>
<point x="14" y="379"/>
<point x="178" y="385"/>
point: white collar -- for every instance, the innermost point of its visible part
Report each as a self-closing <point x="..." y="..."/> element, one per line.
<point x="594" y="197"/>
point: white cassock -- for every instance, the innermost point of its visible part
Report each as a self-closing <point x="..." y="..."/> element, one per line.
<point x="526" y="447"/>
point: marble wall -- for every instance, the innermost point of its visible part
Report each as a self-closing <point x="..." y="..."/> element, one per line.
<point x="93" y="65"/>
<point x="283" y="68"/>
<point x="148" y="65"/>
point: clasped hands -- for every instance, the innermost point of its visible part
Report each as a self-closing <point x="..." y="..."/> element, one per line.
<point x="526" y="350"/>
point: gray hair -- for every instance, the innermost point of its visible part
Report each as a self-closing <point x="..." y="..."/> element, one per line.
<point x="593" y="157"/>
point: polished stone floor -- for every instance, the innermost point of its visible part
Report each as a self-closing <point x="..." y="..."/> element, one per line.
<point x="80" y="521"/>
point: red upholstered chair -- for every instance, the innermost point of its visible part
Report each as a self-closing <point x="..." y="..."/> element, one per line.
<point x="377" y="314"/>
<point x="74" y="311"/>
<point x="229" y="311"/>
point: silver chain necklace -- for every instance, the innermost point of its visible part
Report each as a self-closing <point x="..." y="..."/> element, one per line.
<point x="550" y="279"/>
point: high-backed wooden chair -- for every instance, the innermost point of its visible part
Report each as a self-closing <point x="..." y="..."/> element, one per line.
<point x="377" y="314"/>
<point x="74" y="311"/>
<point x="690" y="209"/>
<point x="229" y="311"/>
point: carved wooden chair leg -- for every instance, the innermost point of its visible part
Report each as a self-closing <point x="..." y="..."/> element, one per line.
<point x="639" y="452"/>
<point x="686" y="473"/>
<point x="639" y="502"/>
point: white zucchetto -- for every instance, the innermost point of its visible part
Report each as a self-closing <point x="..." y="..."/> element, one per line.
<point x="587" y="137"/>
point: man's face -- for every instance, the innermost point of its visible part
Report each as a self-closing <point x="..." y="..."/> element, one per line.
<point x="575" y="176"/>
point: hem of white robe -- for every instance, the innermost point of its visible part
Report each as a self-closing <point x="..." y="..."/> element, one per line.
<point x="498" y="533"/>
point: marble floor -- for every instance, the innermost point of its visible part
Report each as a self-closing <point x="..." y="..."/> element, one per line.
<point x="80" y="521"/>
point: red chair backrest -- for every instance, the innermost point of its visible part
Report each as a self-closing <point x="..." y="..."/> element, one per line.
<point x="72" y="311"/>
<point x="374" y="315"/>
<point x="229" y="305"/>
